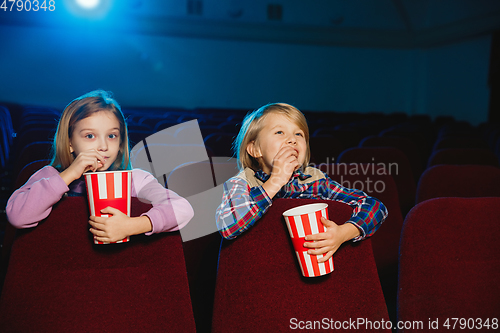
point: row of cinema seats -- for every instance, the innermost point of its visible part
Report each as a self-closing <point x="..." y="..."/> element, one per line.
<point x="58" y="281"/>
<point x="386" y="165"/>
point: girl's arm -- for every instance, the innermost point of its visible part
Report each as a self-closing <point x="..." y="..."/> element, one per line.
<point x="241" y="207"/>
<point x="33" y="201"/>
<point x="170" y="211"/>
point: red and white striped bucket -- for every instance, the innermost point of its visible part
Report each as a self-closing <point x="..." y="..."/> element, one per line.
<point x="306" y="220"/>
<point x="109" y="188"/>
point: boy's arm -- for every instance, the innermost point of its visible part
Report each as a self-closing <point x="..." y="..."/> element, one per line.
<point x="369" y="213"/>
<point x="241" y="207"/>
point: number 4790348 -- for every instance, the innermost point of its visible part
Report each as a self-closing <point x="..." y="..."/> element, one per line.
<point x="28" y="5"/>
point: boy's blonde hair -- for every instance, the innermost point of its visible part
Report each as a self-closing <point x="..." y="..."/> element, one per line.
<point x="81" y="108"/>
<point x="253" y="124"/>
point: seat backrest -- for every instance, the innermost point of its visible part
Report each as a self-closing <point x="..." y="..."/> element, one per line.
<point x="396" y="164"/>
<point x="462" y="156"/>
<point x="447" y="180"/>
<point x="70" y="284"/>
<point x="224" y="168"/>
<point x="220" y="143"/>
<point x="259" y="272"/>
<point x="6" y="135"/>
<point x="39" y="150"/>
<point x="372" y="180"/>
<point x="449" y="262"/>
<point x="406" y="145"/>
<point x="460" y="142"/>
<point x="191" y="178"/>
<point x="28" y="170"/>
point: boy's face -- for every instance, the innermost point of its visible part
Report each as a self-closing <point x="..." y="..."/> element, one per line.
<point x="100" y="132"/>
<point x="278" y="132"/>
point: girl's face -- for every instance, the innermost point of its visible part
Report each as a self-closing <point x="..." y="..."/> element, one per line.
<point x="278" y="131"/>
<point x="100" y="132"/>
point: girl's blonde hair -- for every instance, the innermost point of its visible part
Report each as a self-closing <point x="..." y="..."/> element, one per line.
<point x="253" y="124"/>
<point x="81" y="108"/>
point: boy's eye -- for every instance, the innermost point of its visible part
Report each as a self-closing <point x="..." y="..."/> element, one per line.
<point x="299" y="134"/>
<point x="90" y="136"/>
<point x="279" y="132"/>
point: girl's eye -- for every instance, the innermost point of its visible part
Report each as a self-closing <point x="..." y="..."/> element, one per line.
<point x="90" y="136"/>
<point x="113" y="136"/>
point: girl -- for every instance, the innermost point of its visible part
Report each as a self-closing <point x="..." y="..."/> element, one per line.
<point x="272" y="150"/>
<point x="92" y="136"/>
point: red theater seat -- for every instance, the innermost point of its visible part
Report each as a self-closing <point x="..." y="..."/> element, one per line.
<point x="406" y="145"/>
<point x="39" y="150"/>
<point x="463" y="156"/>
<point x="59" y="281"/>
<point x="397" y="165"/>
<point x="260" y="287"/>
<point x="365" y="177"/>
<point x="459" y="181"/>
<point x="449" y="264"/>
<point x="22" y="177"/>
<point x="385" y="242"/>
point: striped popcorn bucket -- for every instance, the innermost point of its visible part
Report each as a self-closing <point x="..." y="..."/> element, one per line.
<point x="306" y="220"/>
<point x="109" y="188"/>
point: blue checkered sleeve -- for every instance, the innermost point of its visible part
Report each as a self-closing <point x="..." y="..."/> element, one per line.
<point x="368" y="212"/>
<point x="241" y="207"/>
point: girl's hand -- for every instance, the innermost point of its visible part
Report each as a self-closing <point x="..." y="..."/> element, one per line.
<point x="85" y="161"/>
<point x="329" y="241"/>
<point x="117" y="226"/>
<point x="284" y="164"/>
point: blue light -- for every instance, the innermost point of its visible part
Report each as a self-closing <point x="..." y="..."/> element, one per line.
<point x="89" y="9"/>
<point x="88" y="4"/>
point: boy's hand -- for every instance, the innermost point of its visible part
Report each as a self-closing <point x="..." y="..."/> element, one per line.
<point x="85" y="161"/>
<point x="117" y="226"/>
<point x="328" y="242"/>
<point x="284" y="164"/>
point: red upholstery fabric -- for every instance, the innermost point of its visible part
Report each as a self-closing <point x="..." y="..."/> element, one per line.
<point x="450" y="261"/>
<point x="463" y="156"/>
<point x="260" y="287"/>
<point x="397" y="165"/>
<point x="22" y="177"/>
<point x="459" y="181"/>
<point x="59" y="281"/>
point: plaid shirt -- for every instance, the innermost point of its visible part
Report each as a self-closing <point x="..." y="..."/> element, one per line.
<point x="243" y="205"/>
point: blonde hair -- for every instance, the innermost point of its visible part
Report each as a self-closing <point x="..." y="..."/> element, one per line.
<point x="253" y="124"/>
<point x="81" y="108"/>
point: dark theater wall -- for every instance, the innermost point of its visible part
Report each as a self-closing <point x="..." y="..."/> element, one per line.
<point x="50" y="66"/>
